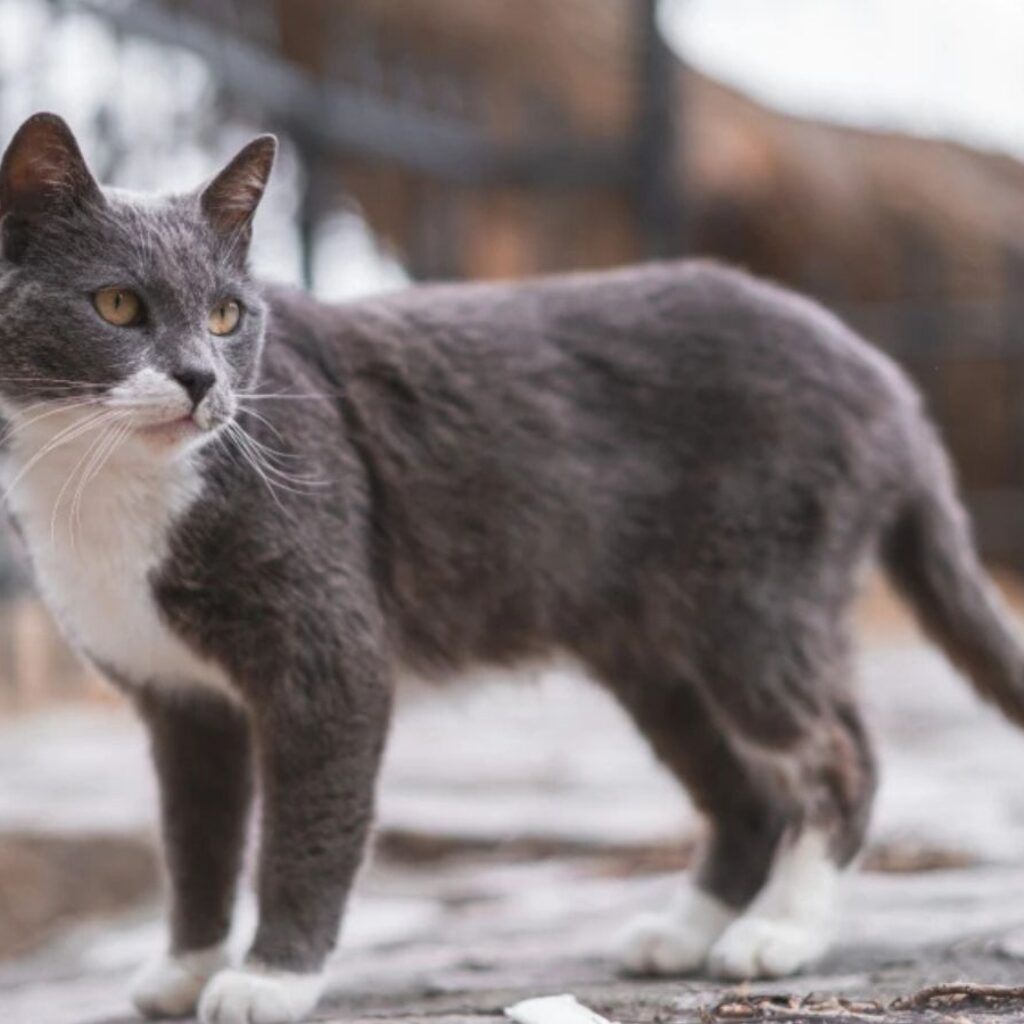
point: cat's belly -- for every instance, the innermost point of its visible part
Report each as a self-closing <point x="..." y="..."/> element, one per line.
<point x="94" y="570"/>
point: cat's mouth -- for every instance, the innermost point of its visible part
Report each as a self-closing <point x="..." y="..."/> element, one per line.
<point x="169" y="431"/>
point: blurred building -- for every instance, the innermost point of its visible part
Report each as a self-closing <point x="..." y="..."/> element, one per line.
<point x="524" y="136"/>
<point x="511" y="137"/>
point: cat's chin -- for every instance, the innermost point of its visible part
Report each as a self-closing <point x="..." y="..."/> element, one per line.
<point x="172" y="439"/>
<point x="148" y="453"/>
<point x="170" y="433"/>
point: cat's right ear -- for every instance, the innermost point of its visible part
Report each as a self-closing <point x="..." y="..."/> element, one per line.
<point x="42" y="173"/>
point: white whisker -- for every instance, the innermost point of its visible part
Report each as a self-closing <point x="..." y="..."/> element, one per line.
<point x="61" y="438"/>
<point x="235" y="433"/>
<point x="18" y="424"/>
<point x="249" y="396"/>
<point x="266" y="456"/>
<point x="263" y="419"/>
<point x="119" y="430"/>
<point x="272" y="455"/>
<point x="59" y="381"/>
<point x="105" y="427"/>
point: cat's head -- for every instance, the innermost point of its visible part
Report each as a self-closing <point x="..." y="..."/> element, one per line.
<point x="122" y="310"/>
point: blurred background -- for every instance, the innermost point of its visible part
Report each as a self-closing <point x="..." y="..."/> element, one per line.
<point x="868" y="152"/>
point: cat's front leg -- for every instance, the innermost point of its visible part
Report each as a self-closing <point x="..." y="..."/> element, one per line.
<point x="201" y="750"/>
<point x="319" y="742"/>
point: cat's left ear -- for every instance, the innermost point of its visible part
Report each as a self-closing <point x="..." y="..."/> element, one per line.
<point x="42" y="172"/>
<point x="230" y="200"/>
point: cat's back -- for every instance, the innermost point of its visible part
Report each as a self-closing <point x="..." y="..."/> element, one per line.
<point x="686" y="309"/>
<point x="680" y="331"/>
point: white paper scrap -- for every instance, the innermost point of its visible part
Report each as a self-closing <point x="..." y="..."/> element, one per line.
<point x="566" y="1009"/>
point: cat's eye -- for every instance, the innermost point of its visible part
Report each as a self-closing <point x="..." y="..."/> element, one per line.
<point x="224" y="317"/>
<point x="118" y="306"/>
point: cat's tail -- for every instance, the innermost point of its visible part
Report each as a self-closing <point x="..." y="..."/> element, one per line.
<point x="932" y="560"/>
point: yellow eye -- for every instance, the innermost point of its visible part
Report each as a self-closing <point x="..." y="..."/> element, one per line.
<point x="224" y="318"/>
<point x="118" y="306"/>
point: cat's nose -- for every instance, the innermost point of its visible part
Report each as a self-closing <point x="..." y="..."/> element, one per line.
<point x="196" y="381"/>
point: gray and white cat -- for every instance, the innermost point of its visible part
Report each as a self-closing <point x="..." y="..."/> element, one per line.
<point x="253" y="510"/>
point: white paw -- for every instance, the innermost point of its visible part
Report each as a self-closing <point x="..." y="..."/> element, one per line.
<point x="259" y="995"/>
<point x="170" y="985"/>
<point x="675" y="941"/>
<point x="660" y="944"/>
<point x="760" y="947"/>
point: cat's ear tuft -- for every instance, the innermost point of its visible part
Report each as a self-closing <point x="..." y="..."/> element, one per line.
<point x="43" y="170"/>
<point x="230" y="200"/>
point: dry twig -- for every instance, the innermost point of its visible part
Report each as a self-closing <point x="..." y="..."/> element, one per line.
<point x="742" y="1007"/>
<point x="959" y="992"/>
<point x="791" y="1008"/>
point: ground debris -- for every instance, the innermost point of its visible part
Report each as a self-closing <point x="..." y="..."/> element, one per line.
<point x="741" y="1007"/>
<point x="941" y="998"/>
<point x="961" y="993"/>
<point x="564" y="1009"/>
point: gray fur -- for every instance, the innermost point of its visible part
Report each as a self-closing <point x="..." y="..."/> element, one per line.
<point x="673" y="472"/>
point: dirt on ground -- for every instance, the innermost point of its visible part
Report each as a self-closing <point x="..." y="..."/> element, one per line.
<point x="520" y="828"/>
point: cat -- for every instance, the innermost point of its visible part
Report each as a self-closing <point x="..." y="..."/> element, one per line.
<point x="253" y="511"/>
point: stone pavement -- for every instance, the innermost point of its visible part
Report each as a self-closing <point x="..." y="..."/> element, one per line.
<point x="521" y="825"/>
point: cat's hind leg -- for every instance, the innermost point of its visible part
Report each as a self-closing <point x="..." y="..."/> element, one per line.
<point x="771" y="657"/>
<point x="792" y="921"/>
<point x="773" y="752"/>
<point x="747" y="813"/>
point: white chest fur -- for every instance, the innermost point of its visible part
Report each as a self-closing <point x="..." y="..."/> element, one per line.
<point x="94" y="563"/>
